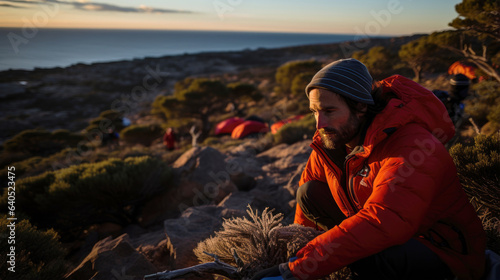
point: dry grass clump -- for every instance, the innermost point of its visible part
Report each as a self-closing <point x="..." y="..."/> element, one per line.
<point x="260" y="242"/>
<point x="491" y="225"/>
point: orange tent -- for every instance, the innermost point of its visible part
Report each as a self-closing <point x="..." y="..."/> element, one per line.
<point x="277" y="125"/>
<point x="248" y="127"/>
<point x="227" y="126"/>
<point x="463" y="68"/>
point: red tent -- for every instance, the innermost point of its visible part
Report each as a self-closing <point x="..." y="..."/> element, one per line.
<point x="277" y="125"/>
<point x="248" y="127"/>
<point x="463" y="68"/>
<point x="227" y="126"/>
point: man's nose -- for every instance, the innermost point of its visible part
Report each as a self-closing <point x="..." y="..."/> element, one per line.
<point x="321" y="121"/>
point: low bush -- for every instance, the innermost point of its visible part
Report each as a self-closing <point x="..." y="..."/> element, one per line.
<point x="477" y="166"/>
<point x="37" y="142"/>
<point x="260" y="242"/>
<point x="484" y="106"/>
<point x="109" y="191"/>
<point x="107" y="119"/>
<point x="38" y="254"/>
<point x="296" y="131"/>
<point x="142" y="134"/>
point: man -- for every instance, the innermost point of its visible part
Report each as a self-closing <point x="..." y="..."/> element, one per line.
<point x="381" y="184"/>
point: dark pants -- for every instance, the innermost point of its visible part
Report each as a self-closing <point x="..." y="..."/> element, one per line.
<point x="411" y="260"/>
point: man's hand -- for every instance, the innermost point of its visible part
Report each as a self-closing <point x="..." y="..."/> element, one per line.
<point x="272" y="273"/>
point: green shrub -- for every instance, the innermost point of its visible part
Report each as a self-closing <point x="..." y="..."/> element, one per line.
<point x="110" y="191"/>
<point x="210" y="141"/>
<point x="494" y="117"/>
<point x="39" y="255"/>
<point x="142" y="134"/>
<point x="299" y="83"/>
<point x="36" y="165"/>
<point x="477" y="167"/>
<point x="379" y="60"/>
<point x="107" y="119"/>
<point x="41" y="142"/>
<point x="483" y="107"/>
<point x="286" y="73"/>
<point x="296" y="131"/>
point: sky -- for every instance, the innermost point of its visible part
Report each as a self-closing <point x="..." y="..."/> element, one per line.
<point x="387" y="17"/>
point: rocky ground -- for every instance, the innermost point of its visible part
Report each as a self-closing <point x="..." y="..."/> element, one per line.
<point x="237" y="178"/>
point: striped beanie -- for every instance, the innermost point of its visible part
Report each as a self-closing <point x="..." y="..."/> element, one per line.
<point x="347" y="77"/>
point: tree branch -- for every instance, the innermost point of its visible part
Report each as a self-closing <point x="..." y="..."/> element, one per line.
<point x="480" y="61"/>
<point x="215" y="267"/>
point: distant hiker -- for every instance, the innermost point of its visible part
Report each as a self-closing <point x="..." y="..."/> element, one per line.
<point x="459" y="90"/>
<point x="381" y="184"/>
<point x="169" y="139"/>
<point x="110" y="139"/>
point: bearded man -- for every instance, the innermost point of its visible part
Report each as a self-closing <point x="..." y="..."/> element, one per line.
<point x="381" y="184"/>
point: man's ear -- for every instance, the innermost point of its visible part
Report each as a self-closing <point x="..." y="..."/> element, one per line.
<point x="361" y="108"/>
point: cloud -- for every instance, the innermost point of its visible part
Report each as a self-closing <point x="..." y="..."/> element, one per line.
<point x="10" y="5"/>
<point x="96" y="7"/>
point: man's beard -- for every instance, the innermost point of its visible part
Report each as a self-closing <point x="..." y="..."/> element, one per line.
<point x="333" y="138"/>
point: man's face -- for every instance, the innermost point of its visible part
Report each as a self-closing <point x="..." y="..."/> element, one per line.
<point x="336" y="124"/>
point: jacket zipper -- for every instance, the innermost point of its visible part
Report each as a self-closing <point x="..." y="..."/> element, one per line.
<point x="349" y="203"/>
<point x="350" y="186"/>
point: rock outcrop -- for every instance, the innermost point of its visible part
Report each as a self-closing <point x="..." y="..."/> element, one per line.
<point x="265" y="179"/>
<point x="113" y="259"/>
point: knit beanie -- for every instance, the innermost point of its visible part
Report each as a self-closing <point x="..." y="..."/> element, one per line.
<point x="347" y="77"/>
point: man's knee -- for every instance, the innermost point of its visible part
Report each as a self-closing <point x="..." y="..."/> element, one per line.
<point x="310" y="190"/>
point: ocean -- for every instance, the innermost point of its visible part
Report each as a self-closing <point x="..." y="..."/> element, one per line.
<point x="47" y="48"/>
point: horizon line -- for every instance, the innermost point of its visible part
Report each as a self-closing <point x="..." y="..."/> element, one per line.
<point x="218" y="30"/>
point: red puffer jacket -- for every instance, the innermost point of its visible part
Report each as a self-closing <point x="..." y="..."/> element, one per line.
<point x="402" y="184"/>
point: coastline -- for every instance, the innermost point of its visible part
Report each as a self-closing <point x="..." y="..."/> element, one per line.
<point x="56" y="47"/>
<point x="66" y="98"/>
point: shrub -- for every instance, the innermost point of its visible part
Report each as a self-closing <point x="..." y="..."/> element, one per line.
<point x="296" y="131"/>
<point x="39" y="255"/>
<point x="210" y="141"/>
<point x="107" y="119"/>
<point x="260" y="242"/>
<point x="142" y="134"/>
<point x="75" y="197"/>
<point x="287" y="72"/>
<point x="299" y="83"/>
<point x="483" y="107"/>
<point x="379" y="61"/>
<point x="41" y="142"/>
<point x="477" y="167"/>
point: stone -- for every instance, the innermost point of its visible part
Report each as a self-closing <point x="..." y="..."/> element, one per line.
<point x="194" y="225"/>
<point x="113" y="259"/>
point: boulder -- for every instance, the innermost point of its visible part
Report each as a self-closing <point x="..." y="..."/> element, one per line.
<point x="202" y="177"/>
<point x="203" y="169"/>
<point x="113" y="259"/>
<point x="194" y="225"/>
<point x="293" y="183"/>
